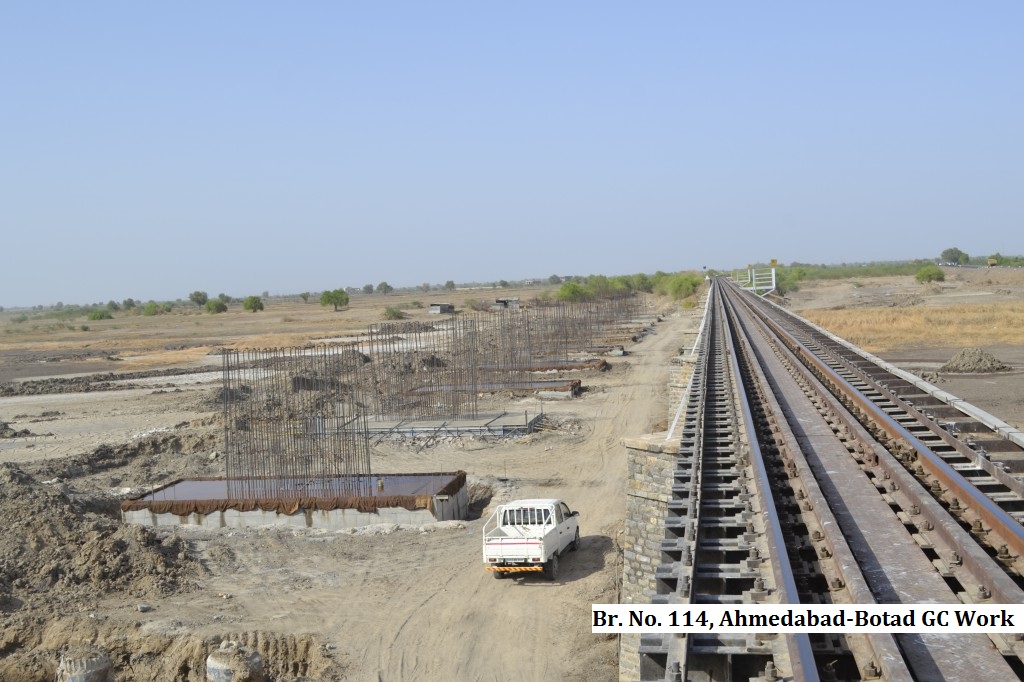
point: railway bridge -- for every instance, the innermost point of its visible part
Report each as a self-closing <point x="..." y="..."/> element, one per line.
<point x="802" y="470"/>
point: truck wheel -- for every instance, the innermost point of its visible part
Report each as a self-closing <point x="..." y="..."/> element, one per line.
<point x="553" y="568"/>
<point x="576" y="542"/>
<point x="499" y="574"/>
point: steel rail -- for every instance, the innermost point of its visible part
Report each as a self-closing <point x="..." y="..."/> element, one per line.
<point x="699" y="385"/>
<point x="682" y="532"/>
<point x="884" y="649"/>
<point x="976" y="562"/>
<point x="1009" y="528"/>
<point x="831" y="347"/>
<point x="799" y="645"/>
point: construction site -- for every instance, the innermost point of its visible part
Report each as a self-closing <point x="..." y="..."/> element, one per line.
<point x="298" y="422"/>
<point x="281" y="489"/>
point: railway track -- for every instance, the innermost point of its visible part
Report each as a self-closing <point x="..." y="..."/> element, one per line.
<point x="810" y="473"/>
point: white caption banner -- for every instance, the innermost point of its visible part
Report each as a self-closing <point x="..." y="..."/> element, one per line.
<point x="811" y="618"/>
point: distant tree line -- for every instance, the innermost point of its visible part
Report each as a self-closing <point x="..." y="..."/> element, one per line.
<point x="677" y="286"/>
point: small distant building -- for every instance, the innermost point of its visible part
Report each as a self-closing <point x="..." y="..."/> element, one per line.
<point x="438" y="308"/>
<point x="506" y="304"/>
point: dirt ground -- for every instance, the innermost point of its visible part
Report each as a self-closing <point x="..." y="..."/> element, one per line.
<point x="380" y="603"/>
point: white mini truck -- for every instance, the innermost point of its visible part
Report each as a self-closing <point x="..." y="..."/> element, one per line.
<point x="529" y="536"/>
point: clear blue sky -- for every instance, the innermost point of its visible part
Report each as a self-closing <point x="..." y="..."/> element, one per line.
<point x="151" y="149"/>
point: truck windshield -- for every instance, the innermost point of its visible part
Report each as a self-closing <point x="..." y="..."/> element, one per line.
<point x="527" y="517"/>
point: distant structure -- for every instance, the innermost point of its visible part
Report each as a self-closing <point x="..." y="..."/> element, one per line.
<point x="506" y="304"/>
<point x="438" y="308"/>
<point x="761" y="280"/>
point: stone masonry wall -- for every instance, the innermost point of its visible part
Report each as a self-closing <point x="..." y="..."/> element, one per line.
<point x="651" y="461"/>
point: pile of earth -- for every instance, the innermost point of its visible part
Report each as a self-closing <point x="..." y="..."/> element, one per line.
<point x="56" y="554"/>
<point x="105" y="381"/>
<point x="153" y="460"/>
<point x="7" y="431"/>
<point x="974" y="360"/>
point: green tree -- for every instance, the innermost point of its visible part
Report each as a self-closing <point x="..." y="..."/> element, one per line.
<point x="128" y="303"/>
<point x="367" y="288"/>
<point x="252" y="303"/>
<point x="425" y="286"/>
<point x="338" y="298"/>
<point x="113" y="306"/>
<point x="199" y="298"/>
<point x="304" y="296"/>
<point x="384" y="288"/>
<point x="554" y="279"/>
<point x="224" y="298"/>
<point x="215" y="305"/>
<point x="930" y="273"/>
<point x="152" y="308"/>
<point x="449" y="285"/>
<point x="955" y="256"/>
<point x="503" y="283"/>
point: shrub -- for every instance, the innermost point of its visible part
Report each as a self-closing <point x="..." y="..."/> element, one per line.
<point x="152" y="308"/>
<point x="215" y="305"/>
<point x="930" y="273"/>
<point x="416" y="304"/>
<point x="393" y="314"/>
<point x="101" y="314"/>
<point x="678" y="286"/>
<point x="85" y="327"/>
<point x="253" y="304"/>
<point x="573" y="292"/>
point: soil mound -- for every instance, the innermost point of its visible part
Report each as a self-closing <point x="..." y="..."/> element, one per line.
<point x="55" y="552"/>
<point x="974" y="360"/>
<point x="7" y="431"/>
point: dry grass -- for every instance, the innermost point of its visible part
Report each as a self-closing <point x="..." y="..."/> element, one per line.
<point x="955" y="326"/>
<point x="187" y="333"/>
